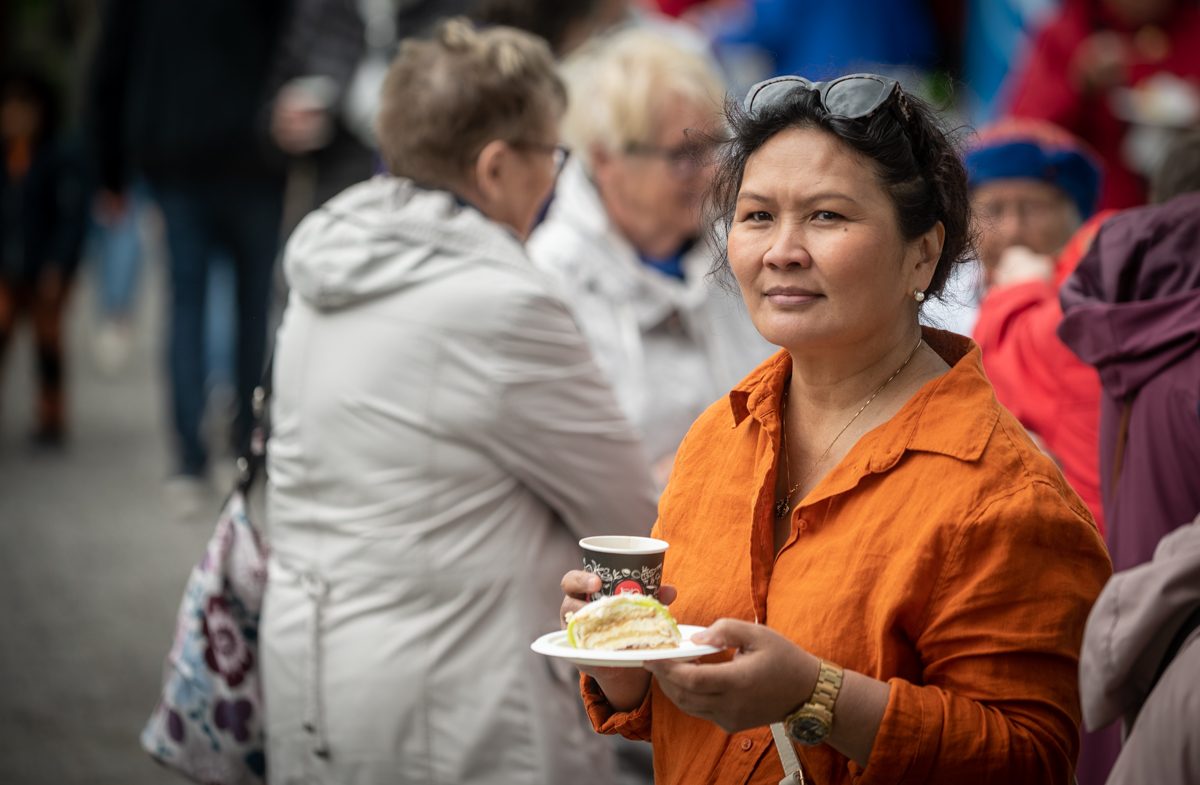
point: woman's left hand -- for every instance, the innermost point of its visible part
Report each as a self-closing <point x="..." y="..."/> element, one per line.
<point x="768" y="677"/>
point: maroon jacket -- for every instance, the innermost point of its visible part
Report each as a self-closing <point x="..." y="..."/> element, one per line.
<point x="1132" y="310"/>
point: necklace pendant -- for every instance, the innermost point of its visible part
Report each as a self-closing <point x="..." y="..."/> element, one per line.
<point x="782" y="507"/>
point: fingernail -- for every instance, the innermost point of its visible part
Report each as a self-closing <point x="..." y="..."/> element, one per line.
<point x="700" y="637"/>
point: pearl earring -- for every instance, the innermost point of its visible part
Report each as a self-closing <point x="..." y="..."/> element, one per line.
<point x="918" y="295"/>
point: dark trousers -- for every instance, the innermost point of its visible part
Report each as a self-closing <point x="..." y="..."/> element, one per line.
<point x="43" y="301"/>
<point x="242" y="219"/>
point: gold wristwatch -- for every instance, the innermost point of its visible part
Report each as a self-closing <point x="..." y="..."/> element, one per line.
<point x="811" y="723"/>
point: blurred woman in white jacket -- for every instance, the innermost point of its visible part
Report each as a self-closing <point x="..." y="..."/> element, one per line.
<point x="623" y="235"/>
<point x="442" y="437"/>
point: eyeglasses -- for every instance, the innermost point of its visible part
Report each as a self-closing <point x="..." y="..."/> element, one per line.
<point x="683" y="160"/>
<point x="1030" y="211"/>
<point x="851" y="97"/>
<point x="560" y="152"/>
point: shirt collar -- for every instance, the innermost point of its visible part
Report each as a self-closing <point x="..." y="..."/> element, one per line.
<point x="953" y="414"/>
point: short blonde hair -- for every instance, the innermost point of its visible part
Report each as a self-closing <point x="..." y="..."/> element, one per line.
<point x="445" y="98"/>
<point x="615" y="82"/>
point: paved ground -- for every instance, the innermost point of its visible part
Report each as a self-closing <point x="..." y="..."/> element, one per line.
<point x="92" y="567"/>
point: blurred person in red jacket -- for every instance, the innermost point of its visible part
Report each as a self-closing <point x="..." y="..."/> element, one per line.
<point x="1121" y="74"/>
<point x="1032" y="184"/>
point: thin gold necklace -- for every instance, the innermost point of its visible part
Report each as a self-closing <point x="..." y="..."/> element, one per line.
<point x="784" y="505"/>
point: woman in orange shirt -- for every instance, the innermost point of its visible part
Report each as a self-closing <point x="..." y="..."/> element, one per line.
<point x="903" y="577"/>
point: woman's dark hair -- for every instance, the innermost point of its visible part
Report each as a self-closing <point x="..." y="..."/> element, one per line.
<point x="916" y="160"/>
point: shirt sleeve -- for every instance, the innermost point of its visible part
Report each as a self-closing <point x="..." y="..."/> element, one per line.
<point x="633" y="725"/>
<point x="1000" y="644"/>
<point x="557" y="428"/>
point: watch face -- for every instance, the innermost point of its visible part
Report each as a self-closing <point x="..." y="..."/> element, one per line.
<point x="808" y="730"/>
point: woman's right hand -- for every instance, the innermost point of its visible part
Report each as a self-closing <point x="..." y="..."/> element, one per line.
<point x="625" y="688"/>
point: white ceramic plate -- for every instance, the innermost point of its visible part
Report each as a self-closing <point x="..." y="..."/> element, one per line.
<point x="555" y="644"/>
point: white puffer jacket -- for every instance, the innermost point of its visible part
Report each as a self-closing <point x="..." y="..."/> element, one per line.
<point x="441" y="439"/>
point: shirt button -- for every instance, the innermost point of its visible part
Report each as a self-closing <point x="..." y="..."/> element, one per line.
<point x="747" y="744"/>
<point x="801" y="525"/>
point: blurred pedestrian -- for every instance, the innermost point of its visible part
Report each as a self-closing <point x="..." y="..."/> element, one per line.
<point x="623" y="235"/>
<point x="176" y="90"/>
<point x="1116" y="73"/>
<point x="1032" y="184"/>
<point x="441" y="439"/>
<point x="1141" y="664"/>
<point x="42" y="221"/>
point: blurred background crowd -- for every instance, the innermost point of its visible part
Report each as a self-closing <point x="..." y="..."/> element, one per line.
<point x="164" y="152"/>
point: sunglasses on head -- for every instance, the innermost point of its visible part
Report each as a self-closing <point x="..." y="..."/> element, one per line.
<point x="850" y="97"/>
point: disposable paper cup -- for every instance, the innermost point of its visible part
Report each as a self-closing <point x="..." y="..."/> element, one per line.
<point x="626" y="565"/>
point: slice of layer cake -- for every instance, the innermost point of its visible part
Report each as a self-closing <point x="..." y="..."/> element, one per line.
<point x="626" y="621"/>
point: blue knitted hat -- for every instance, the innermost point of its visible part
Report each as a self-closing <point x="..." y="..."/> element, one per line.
<point x="1037" y="150"/>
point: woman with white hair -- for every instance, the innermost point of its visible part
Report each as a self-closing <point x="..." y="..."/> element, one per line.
<point x="622" y="236"/>
<point x="441" y="440"/>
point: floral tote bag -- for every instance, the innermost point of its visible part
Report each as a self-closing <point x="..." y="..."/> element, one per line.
<point x="208" y="724"/>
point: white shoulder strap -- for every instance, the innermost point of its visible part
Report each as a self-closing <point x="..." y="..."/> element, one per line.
<point x="793" y="773"/>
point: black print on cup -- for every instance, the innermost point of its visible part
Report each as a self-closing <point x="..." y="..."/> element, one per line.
<point x="625" y="573"/>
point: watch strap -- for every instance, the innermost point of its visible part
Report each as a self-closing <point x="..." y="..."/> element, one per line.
<point x="829" y="684"/>
<point x="793" y="773"/>
<point x="819" y="706"/>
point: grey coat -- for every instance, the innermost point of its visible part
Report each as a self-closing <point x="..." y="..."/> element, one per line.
<point x="1128" y="633"/>
<point x="441" y="439"/>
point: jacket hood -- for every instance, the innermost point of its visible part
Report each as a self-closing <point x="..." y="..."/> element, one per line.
<point x="1132" y="307"/>
<point x="387" y="233"/>
<point x="1131" y="626"/>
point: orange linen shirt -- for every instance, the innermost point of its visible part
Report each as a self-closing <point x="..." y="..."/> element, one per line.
<point x="945" y="554"/>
